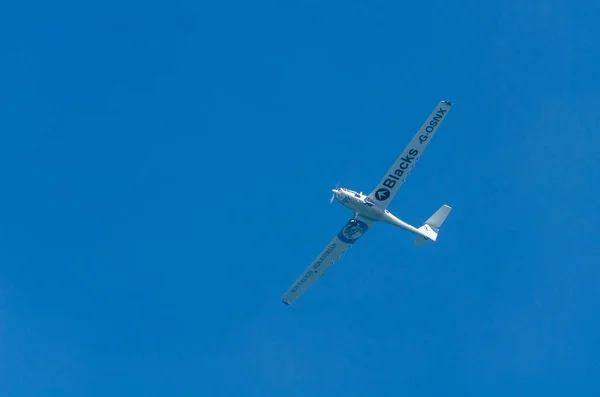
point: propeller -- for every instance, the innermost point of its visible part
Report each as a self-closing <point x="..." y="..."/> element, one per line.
<point x="333" y="195"/>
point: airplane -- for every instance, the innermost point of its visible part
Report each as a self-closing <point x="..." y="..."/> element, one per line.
<point x="372" y="208"/>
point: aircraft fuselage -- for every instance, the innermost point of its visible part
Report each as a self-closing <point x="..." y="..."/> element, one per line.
<point x="358" y="203"/>
<point x="361" y="204"/>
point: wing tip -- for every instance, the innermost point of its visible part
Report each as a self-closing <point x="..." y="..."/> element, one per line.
<point x="447" y="102"/>
<point x="285" y="302"/>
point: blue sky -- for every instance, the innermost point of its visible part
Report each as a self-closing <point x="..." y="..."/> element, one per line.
<point x="166" y="169"/>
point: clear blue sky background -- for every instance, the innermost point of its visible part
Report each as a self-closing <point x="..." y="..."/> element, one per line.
<point x="165" y="172"/>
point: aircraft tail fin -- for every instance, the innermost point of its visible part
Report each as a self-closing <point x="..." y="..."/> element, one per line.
<point x="431" y="228"/>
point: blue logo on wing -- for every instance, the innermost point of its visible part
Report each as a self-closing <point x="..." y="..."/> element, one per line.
<point x="382" y="194"/>
<point x="352" y="231"/>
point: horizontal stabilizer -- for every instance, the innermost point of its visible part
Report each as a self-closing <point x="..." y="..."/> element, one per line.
<point x="420" y="241"/>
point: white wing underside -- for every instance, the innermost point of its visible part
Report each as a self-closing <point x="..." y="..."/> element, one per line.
<point x="385" y="191"/>
<point x="351" y="232"/>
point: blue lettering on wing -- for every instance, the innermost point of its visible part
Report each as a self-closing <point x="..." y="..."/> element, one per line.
<point x="306" y="276"/>
<point x="310" y="272"/>
<point x="327" y="252"/>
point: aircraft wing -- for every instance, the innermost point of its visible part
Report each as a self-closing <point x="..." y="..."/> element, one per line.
<point x="351" y="232"/>
<point x="387" y="188"/>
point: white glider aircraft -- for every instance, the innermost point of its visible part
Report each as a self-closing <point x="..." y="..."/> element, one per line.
<point x="372" y="208"/>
